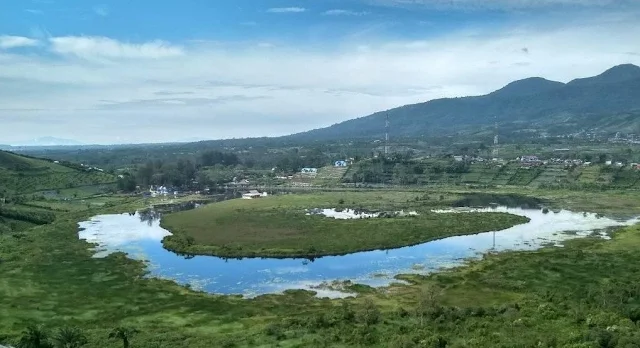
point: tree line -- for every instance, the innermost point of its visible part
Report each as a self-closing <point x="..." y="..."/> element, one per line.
<point x="183" y="172"/>
<point x="215" y="167"/>
<point x="36" y="336"/>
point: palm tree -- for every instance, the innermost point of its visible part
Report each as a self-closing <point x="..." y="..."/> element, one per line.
<point x="34" y="336"/>
<point x="70" y="337"/>
<point x="124" y="334"/>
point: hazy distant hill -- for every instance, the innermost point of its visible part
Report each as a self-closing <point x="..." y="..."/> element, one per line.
<point x="609" y="101"/>
<point x="48" y="141"/>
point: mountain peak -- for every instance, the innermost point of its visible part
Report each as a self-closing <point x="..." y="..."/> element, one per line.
<point x="529" y="86"/>
<point x="623" y="69"/>
<point x="618" y="73"/>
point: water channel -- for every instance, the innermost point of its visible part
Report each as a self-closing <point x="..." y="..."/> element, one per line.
<point x="139" y="235"/>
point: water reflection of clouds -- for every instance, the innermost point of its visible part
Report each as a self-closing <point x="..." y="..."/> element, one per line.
<point x="112" y="232"/>
<point x="134" y="235"/>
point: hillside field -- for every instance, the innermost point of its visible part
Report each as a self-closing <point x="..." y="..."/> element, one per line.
<point x="20" y="175"/>
<point x="492" y="174"/>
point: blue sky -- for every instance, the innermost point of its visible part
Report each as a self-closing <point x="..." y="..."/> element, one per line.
<point x="137" y="71"/>
<point x="318" y="22"/>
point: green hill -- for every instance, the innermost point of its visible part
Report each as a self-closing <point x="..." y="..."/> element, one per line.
<point x="608" y="102"/>
<point x="31" y="188"/>
<point x="22" y="174"/>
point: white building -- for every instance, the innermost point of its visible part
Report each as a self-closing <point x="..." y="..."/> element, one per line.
<point x="309" y="171"/>
<point x="253" y="194"/>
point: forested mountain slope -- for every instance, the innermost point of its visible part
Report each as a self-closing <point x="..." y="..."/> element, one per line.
<point x="544" y="105"/>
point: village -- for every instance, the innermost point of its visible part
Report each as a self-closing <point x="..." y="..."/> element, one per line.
<point x="256" y="187"/>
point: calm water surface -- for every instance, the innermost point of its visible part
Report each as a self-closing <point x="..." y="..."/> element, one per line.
<point x="139" y="235"/>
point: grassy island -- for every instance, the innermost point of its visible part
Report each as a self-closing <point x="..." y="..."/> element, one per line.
<point x="279" y="226"/>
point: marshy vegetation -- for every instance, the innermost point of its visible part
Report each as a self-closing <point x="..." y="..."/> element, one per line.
<point x="280" y="226"/>
<point x="582" y="295"/>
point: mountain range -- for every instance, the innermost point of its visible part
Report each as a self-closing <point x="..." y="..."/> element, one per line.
<point x="606" y="102"/>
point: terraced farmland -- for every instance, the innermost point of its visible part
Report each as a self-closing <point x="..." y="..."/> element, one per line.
<point x="20" y="175"/>
<point x="330" y="175"/>
<point x="514" y="174"/>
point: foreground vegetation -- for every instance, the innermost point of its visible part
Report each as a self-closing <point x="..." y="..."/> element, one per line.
<point x="583" y="295"/>
<point x="279" y="226"/>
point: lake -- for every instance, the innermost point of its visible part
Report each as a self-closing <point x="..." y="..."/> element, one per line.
<point x="139" y="235"/>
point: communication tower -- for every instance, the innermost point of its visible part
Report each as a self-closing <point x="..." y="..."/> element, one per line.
<point x="386" y="135"/>
<point x="496" y="140"/>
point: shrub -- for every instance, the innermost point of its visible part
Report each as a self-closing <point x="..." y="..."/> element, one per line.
<point x="274" y="330"/>
<point x="370" y="314"/>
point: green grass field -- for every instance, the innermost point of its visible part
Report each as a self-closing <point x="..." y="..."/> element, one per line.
<point x="278" y="226"/>
<point x="582" y="295"/>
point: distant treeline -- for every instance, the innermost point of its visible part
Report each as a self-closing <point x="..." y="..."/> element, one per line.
<point x="215" y="167"/>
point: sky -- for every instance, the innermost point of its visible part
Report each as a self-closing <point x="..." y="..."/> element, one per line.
<point x="134" y="71"/>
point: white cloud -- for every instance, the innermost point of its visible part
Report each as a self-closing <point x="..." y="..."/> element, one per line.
<point x="221" y="91"/>
<point x="7" y="42"/>
<point x="340" y="12"/>
<point x="497" y="4"/>
<point x="102" y="47"/>
<point x="34" y="11"/>
<point x="287" y="10"/>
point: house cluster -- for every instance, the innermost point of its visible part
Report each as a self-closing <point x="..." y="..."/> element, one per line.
<point x="621" y="138"/>
<point x="568" y="162"/>
<point x="88" y="168"/>
<point x="238" y="182"/>
<point x="309" y="171"/>
<point x="254" y="194"/>
<point x="527" y="161"/>
<point x="534" y="160"/>
<point x="474" y="159"/>
<point x="620" y="164"/>
<point x="160" y="191"/>
<point x="343" y="163"/>
<point x="312" y="171"/>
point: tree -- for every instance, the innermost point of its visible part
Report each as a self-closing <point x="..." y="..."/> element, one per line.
<point x="124" y="334"/>
<point x="602" y="158"/>
<point x="127" y="183"/>
<point x="70" y="337"/>
<point x="34" y="336"/>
